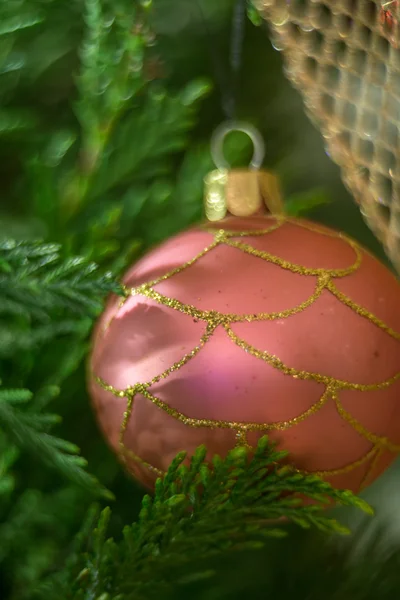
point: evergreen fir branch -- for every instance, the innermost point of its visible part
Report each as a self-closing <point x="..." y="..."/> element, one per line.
<point x="18" y="520"/>
<point x="61" y="141"/>
<point x="13" y="121"/>
<point x="37" y="282"/>
<point x="15" y="396"/>
<point x="78" y="547"/>
<point x="68" y="361"/>
<point x="129" y="127"/>
<point x="112" y="74"/>
<point x="34" y="534"/>
<point x="9" y="452"/>
<point x="162" y="126"/>
<point x="29" y="431"/>
<point x="11" y="64"/>
<point x="14" y="340"/>
<point x="200" y="511"/>
<point x="8" y="456"/>
<point x="16" y="15"/>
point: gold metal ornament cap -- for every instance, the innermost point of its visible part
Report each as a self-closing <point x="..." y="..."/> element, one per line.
<point x="240" y="192"/>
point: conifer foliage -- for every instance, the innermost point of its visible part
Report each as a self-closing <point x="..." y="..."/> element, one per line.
<point x="197" y="512"/>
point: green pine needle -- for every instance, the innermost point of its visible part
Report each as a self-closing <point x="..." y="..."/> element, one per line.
<point x="37" y="282"/>
<point x="8" y="456"/>
<point x="30" y="432"/>
<point x="201" y="510"/>
<point x="15" y="23"/>
<point x="43" y="297"/>
<point x="12" y="121"/>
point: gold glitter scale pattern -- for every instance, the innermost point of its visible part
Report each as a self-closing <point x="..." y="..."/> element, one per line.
<point x="325" y="280"/>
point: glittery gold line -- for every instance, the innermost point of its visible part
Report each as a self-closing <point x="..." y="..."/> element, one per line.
<point x="343" y="470"/>
<point x="186" y="309"/>
<point x="279" y="221"/>
<point x="126" y="417"/>
<point x="361" y="311"/>
<point x="130" y="454"/>
<point x="328" y="473"/>
<point x="371" y="469"/>
<point x="118" y="308"/>
<point x="199" y="423"/>
<point x="219" y="318"/>
<point x="278" y="364"/>
<point x="229" y="233"/>
<point x="294" y="268"/>
<point x="241" y="440"/>
<point x="110" y="388"/>
<point x="131" y="391"/>
<point x="314" y="228"/>
<point x="185" y="359"/>
<point x="187" y="264"/>
<point x="330" y="392"/>
<point x="209" y="423"/>
<point x="371" y="437"/>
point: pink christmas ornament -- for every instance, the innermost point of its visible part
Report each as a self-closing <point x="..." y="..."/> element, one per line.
<point x="249" y="327"/>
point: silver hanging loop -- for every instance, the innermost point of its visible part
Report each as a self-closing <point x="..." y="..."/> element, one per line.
<point x="218" y="139"/>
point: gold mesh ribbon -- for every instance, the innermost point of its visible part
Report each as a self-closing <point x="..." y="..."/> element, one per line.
<point x="343" y="56"/>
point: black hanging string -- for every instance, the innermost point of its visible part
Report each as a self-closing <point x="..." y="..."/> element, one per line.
<point x="236" y="54"/>
<point x="228" y="78"/>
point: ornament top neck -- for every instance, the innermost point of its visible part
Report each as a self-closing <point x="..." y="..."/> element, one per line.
<point x="240" y="192"/>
